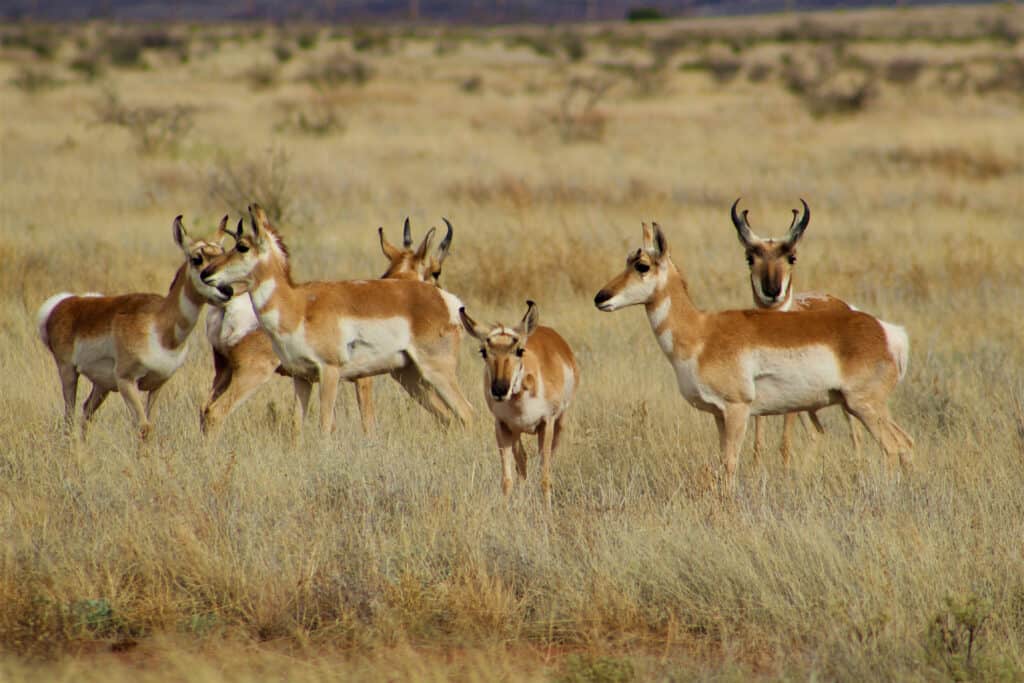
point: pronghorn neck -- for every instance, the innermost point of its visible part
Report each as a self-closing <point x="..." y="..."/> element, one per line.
<point x="272" y="292"/>
<point x="675" y="320"/>
<point x="180" y="310"/>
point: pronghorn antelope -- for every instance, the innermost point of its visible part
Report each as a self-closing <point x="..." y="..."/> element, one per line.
<point x="244" y="357"/>
<point x="530" y="376"/>
<point x="771" y="264"/>
<point x="327" y="331"/>
<point x="734" y="364"/>
<point x="129" y="343"/>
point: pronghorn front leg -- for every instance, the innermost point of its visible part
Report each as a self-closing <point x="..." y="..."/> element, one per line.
<point x="133" y="399"/>
<point x="364" y="400"/>
<point x="787" y="436"/>
<point x="303" y="389"/>
<point x="69" y="387"/>
<point x="506" y="439"/>
<point x="735" y="426"/>
<point x="854" y="432"/>
<point x="758" y="440"/>
<point x="329" y="376"/>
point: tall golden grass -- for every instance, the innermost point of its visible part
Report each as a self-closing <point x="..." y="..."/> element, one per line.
<point x="395" y="557"/>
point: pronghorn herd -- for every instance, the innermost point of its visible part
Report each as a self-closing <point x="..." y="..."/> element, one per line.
<point x="793" y="353"/>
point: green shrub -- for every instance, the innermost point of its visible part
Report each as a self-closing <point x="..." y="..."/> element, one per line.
<point x="644" y="14"/>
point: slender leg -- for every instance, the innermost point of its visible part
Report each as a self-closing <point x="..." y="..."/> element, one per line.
<point x="854" y="432"/>
<point x="890" y="436"/>
<point x="329" y="377"/>
<point x="364" y="399"/>
<point x="545" y="438"/>
<point x="506" y="442"/>
<point x="520" y="452"/>
<point x="133" y="399"/>
<point x="720" y="424"/>
<point x="96" y="398"/>
<point x="222" y="372"/>
<point x="758" y="439"/>
<point x="303" y="389"/>
<point x="813" y="415"/>
<point x="69" y="387"/>
<point x="736" y="415"/>
<point x="444" y="382"/>
<point x="412" y="381"/>
<point x="241" y="382"/>
<point x="558" y="433"/>
<point x="787" y="436"/>
<point x="151" y="400"/>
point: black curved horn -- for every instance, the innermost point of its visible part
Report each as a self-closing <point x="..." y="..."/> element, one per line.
<point x="407" y="234"/>
<point x="447" y="241"/>
<point x="796" y="230"/>
<point x="742" y="226"/>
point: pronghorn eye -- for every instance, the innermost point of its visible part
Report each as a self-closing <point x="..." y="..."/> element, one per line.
<point x="519" y="352"/>
<point x="641" y="267"/>
<point x="750" y="259"/>
<point x="791" y="259"/>
<point x="436" y="275"/>
<point x="242" y="248"/>
<point x="196" y="261"/>
<point x="483" y="353"/>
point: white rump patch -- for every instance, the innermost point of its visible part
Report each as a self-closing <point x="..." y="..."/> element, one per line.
<point x="899" y="346"/>
<point x="43" y="316"/>
<point x="454" y="304"/>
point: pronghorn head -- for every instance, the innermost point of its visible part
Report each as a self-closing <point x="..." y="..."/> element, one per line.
<point x="199" y="253"/>
<point x="232" y="272"/>
<point x="421" y="264"/>
<point x="502" y="349"/>
<point x="771" y="260"/>
<point x="646" y="269"/>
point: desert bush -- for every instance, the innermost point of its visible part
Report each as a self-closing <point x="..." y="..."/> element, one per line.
<point x="338" y="69"/>
<point x="541" y="45"/>
<point x="319" y="117"/>
<point x="155" y="128"/>
<point x="88" y="65"/>
<point x="267" y="180"/>
<point x="574" y="46"/>
<point x="261" y="76"/>
<point x="306" y="40"/>
<point x="955" y="637"/>
<point x="758" y="72"/>
<point x="1006" y="75"/>
<point x="34" y="80"/>
<point x="845" y="93"/>
<point x="472" y="85"/>
<point x="371" y="41"/>
<point x="124" y="50"/>
<point x="588" y="669"/>
<point x="722" y="69"/>
<point x="282" y="52"/>
<point x="644" y="14"/>
<point x="904" y="70"/>
<point x="578" y="118"/>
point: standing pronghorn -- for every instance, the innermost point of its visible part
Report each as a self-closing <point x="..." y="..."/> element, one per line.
<point x="129" y="343"/>
<point x="771" y="264"/>
<point x="327" y="331"/>
<point x="734" y="364"/>
<point x="243" y="355"/>
<point x="530" y="376"/>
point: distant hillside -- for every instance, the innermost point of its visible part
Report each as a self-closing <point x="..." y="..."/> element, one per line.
<point x="464" y="11"/>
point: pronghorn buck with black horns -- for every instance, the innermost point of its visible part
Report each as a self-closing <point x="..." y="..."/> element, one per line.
<point x="734" y="364"/>
<point x="530" y="377"/>
<point x="243" y="355"/>
<point x="131" y="343"/>
<point x="328" y="331"/>
<point x="771" y="263"/>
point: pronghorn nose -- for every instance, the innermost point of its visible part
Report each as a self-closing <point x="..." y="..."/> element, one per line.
<point x="770" y="289"/>
<point x="499" y="389"/>
<point x="602" y="296"/>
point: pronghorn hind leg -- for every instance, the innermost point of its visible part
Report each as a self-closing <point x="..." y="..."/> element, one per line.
<point x="787" y="436"/>
<point x="758" y="437"/>
<point x="545" y="440"/>
<point x="364" y="401"/>
<point x="240" y="383"/>
<point x="812" y="415"/>
<point x="444" y="381"/>
<point x="151" y="400"/>
<point x="96" y="398"/>
<point x="412" y="381"/>
<point x="222" y="372"/>
<point x="854" y="432"/>
<point x="881" y="426"/>
<point x="69" y="389"/>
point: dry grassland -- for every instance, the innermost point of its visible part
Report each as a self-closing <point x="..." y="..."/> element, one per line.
<point x="395" y="557"/>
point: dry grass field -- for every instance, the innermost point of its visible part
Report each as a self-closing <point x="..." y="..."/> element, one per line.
<point x="394" y="557"/>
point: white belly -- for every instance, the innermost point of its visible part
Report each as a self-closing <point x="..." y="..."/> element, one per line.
<point x="788" y="380"/>
<point x="159" y="362"/>
<point x="372" y="346"/>
<point x="522" y="414"/>
<point x="94" y="357"/>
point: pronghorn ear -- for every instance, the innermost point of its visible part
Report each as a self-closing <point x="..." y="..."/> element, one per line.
<point x="471" y="325"/>
<point x="796" y="230"/>
<point x="390" y="251"/>
<point x="648" y="242"/>
<point x="421" y="252"/>
<point x="181" y="237"/>
<point x="260" y="224"/>
<point x="660" y="247"/>
<point x="529" y="322"/>
<point x="446" y="243"/>
<point x="743" y="231"/>
<point x="222" y="231"/>
<point x="406" y="234"/>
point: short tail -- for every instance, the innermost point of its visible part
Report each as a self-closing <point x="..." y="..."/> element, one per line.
<point x="43" y="316"/>
<point x="899" y="346"/>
